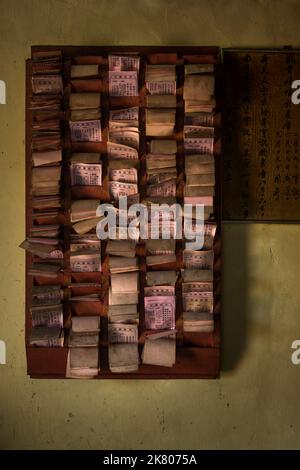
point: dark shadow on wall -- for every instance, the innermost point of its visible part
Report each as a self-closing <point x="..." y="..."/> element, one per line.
<point x="234" y="294"/>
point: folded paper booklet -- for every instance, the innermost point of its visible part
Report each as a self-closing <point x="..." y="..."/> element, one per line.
<point x="85" y="101"/>
<point x="44" y="231"/>
<point x="125" y="136"/>
<point x="193" y="259"/>
<point x="42" y="142"/>
<point x="123" y="314"/>
<point x="199" y="164"/>
<point x="46" y="202"/>
<point x="85" y="297"/>
<point x="46" y="62"/>
<point x="160" y="351"/>
<point x="42" y="250"/>
<point x="45" y="180"/>
<point x="123" y="358"/>
<point x="124" y="289"/>
<point x="158" y="146"/>
<point x="198" y="322"/>
<point x="119" y="151"/>
<point x="205" y="119"/>
<point x="160" y="247"/>
<point x="164" y="189"/>
<point x="198" y="131"/>
<point x="85" y="324"/>
<point x="85" y="124"/>
<point x="123" y="61"/>
<point x="86" y="174"/>
<point x="154" y="260"/>
<point x="44" y="106"/>
<point x="85" y="157"/>
<point x="40" y="216"/>
<point x="47" y="337"/>
<point x="83" y="339"/>
<point x="51" y="157"/>
<point x="119" y="189"/>
<point x="158" y="161"/>
<point x="199" y="191"/>
<point x="122" y="150"/>
<point x="123" y="298"/>
<point x="159" y="291"/>
<point x="127" y="115"/>
<point x="197" y="275"/>
<point x="84" y="226"/>
<point x="198" y="91"/>
<point x="83" y="362"/>
<point x="156" y="176"/>
<point x="47" y="84"/>
<point x="45" y="270"/>
<point x="84" y="71"/>
<point x="127" y="175"/>
<point x="198" y="302"/>
<point x="160" y="122"/>
<point x="86" y="131"/>
<point x="88" y="243"/>
<point x="201" y="180"/>
<point x="122" y="333"/>
<point x="47" y="315"/>
<point x="118" y="264"/>
<point x="161" y="101"/>
<point x="46" y="295"/>
<point x="123" y="83"/>
<point x="83" y="261"/>
<point x="83" y="209"/>
<point x="160" y="312"/>
<point x="161" y="79"/>
<point x="125" y="282"/>
<point x="121" y="165"/>
<point x="161" y="278"/>
<point x="124" y="248"/>
<point x="197" y="286"/>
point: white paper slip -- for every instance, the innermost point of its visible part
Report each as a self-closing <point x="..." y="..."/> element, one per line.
<point x="193" y="259"/>
<point x="123" y="83"/>
<point x="121" y="61"/>
<point x="123" y="357"/>
<point x="160" y="312"/>
<point x="159" y="352"/>
<point x="86" y="131"/>
<point x="83" y="174"/>
<point x="122" y="333"/>
<point x="124" y="283"/>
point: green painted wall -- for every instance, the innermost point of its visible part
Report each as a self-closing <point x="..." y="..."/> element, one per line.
<point x="256" y="402"/>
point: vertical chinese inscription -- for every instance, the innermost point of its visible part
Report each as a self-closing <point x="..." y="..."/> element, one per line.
<point x="261" y="136"/>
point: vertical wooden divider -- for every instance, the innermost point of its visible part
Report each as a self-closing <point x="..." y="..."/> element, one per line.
<point x="66" y="192"/>
<point x="142" y="183"/>
<point x="103" y="345"/>
<point x="179" y="193"/>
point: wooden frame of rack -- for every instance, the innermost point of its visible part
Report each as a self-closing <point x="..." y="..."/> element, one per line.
<point x="197" y="354"/>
